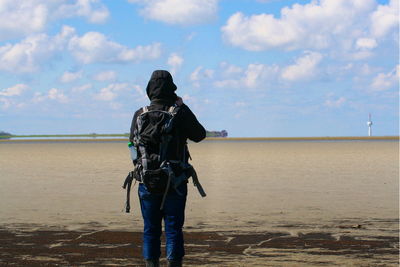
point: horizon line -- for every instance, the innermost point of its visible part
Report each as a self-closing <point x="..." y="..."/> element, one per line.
<point x="309" y="138"/>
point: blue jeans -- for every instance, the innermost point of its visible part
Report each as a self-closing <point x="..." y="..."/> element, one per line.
<point x="174" y="217"/>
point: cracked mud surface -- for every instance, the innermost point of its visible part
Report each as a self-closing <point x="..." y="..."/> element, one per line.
<point x="119" y="248"/>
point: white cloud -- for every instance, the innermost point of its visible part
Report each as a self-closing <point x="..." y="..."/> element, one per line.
<point x="94" y="47"/>
<point x="228" y="83"/>
<point x="15" y="90"/>
<point x="93" y="10"/>
<point x="335" y="103"/>
<point x="366" y="43"/>
<point x="70" y="76"/>
<point x="363" y="47"/>
<point x="56" y="94"/>
<point x="53" y="94"/>
<point x="27" y="55"/>
<point x="255" y="76"/>
<point x="200" y="74"/>
<point x="141" y="92"/>
<point x="183" y="12"/>
<point x="111" y="92"/>
<point x="384" y="81"/>
<point x="257" y="73"/>
<point x="320" y="24"/>
<point x="191" y="100"/>
<point x="195" y="103"/>
<point x="175" y="61"/>
<point x="81" y="88"/>
<point x="187" y="97"/>
<point x="108" y="75"/>
<point x="385" y="18"/>
<point x="21" y="17"/>
<point x="259" y="32"/>
<point x="229" y="69"/>
<point x="38" y="97"/>
<point x="305" y="67"/>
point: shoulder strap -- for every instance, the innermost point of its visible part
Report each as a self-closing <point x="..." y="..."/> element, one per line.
<point x="171" y="110"/>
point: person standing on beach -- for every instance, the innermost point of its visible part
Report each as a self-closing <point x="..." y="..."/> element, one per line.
<point x="161" y="92"/>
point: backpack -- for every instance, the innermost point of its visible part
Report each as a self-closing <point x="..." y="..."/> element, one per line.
<point x="156" y="139"/>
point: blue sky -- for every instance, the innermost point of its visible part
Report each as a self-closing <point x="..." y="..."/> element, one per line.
<point x="252" y="67"/>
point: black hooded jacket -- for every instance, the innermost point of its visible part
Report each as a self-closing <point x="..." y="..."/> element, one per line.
<point x="161" y="92"/>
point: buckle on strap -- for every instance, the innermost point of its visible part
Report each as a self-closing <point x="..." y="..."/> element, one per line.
<point x="172" y="109"/>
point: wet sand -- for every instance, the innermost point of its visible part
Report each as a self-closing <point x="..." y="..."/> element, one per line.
<point x="117" y="248"/>
<point x="268" y="204"/>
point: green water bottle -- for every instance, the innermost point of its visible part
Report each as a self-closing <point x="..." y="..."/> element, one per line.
<point x="132" y="150"/>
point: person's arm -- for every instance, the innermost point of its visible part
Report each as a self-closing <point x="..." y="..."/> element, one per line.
<point x="193" y="129"/>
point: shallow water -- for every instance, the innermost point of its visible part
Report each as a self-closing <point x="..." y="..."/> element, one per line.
<point x="322" y="189"/>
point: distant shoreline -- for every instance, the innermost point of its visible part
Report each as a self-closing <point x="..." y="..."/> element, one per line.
<point x="307" y="138"/>
<point x="123" y="138"/>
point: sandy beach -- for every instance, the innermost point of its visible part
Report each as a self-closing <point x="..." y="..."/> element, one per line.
<point x="321" y="203"/>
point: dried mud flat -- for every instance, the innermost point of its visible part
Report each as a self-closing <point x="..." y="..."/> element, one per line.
<point x="27" y="247"/>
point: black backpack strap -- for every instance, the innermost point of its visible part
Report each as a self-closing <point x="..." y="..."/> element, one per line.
<point x="138" y="129"/>
<point x="139" y="125"/>
<point x="166" y="134"/>
<point x="143" y="156"/>
<point x="127" y="185"/>
<point x="171" y="177"/>
<point x="188" y="171"/>
<point x="197" y="184"/>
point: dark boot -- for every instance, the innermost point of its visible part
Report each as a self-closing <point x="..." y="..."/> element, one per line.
<point x="152" y="263"/>
<point x="174" y="263"/>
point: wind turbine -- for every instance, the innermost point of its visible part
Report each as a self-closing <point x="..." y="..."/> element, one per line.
<point x="369" y="123"/>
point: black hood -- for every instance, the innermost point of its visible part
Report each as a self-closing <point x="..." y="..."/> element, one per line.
<point x="161" y="88"/>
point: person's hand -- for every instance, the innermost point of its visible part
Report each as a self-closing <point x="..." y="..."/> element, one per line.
<point x="179" y="101"/>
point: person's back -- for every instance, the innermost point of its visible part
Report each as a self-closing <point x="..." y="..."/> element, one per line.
<point x="161" y="92"/>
